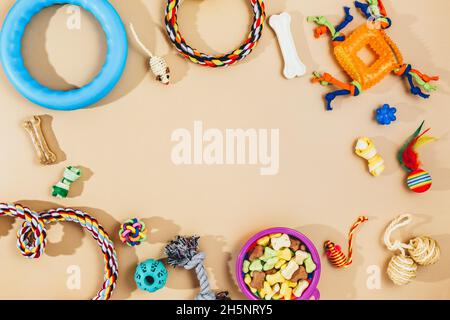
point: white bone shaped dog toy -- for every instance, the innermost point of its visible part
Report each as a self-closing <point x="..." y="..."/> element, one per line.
<point x="289" y="270"/>
<point x="293" y="65"/>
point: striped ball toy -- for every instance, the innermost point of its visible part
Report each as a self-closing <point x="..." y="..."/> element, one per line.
<point x="419" y="181"/>
<point x="208" y="60"/>
<point x="335" y="255"/>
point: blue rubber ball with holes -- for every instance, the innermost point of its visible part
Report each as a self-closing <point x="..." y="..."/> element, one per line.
<point x="151" y="275"/>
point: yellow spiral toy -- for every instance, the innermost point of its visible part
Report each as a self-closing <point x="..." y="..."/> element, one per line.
<point x="365" y="148"/>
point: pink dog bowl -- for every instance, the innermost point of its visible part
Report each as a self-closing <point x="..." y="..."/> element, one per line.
<point x="310" y="293"/>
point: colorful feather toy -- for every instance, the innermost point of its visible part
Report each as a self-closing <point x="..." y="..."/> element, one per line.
<point x="418" y="179"/>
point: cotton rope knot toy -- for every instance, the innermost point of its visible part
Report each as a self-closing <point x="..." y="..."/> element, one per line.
<point x="418" y="179"/>
<point x="32" y="237"/>
<point x="157" y="64"/>
<point x="208" y="60"/>
<point x="133" y="232"/>
<point x="183" y="252"/>
<point x="61" y="189"/>
<point x="365" y="148"/>
<point x="334" y="252"/>
<point x="422" y="251"/>
<point x="372" y="35"/>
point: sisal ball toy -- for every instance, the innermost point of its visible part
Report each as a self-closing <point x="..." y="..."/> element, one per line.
<point x="401" y="269"/>
<point x="133" y="232"/>
<point x="151" y="275"/>
<point x="423" y="251"/>
<point x="418" y="180"/>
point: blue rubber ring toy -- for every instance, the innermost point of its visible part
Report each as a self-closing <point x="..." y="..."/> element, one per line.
<point x="10" y="50"/>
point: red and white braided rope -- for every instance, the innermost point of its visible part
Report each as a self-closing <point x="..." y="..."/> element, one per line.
<point x="351" y="233"/>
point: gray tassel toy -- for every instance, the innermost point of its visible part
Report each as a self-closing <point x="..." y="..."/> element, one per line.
<point x="183" y="252"/>
<point x="157" y="64"/>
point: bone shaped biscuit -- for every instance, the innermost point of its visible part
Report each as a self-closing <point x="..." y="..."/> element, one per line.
<point x="293" y="65"/>
<point x="33" y="127"/>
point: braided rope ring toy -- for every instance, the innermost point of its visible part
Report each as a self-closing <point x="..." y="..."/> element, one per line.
<point x="10" y="47"/>
<point x="212" y="60"/>
<point x="32" y="237"/>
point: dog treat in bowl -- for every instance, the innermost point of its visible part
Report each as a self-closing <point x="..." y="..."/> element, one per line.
<point x="277" y="266"/>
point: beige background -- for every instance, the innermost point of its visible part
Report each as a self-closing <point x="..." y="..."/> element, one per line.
<point x="124" y="146"/>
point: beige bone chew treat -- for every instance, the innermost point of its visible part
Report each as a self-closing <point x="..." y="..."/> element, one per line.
<point x="257" y="253"/>
<point x="33" y="127"/>
<point x="295" y="244"/>
<point x="281" y="242"/>
<point x="272" y="292"/>
<point x="275" y="278"/>
<point x="310" y="266"/>
<point x="285" y="254"/>
<point x="286" y="291"/>
<point x="300" y="288"/>
<point x="365" y="148"/>
<point x="258" y="280"/>
<point x="271" y="271"/>
<point x="289" y="270"/>
<point x="300" y="257"/>
<point x="293" y="66"/>
<point x="300" y="274"/>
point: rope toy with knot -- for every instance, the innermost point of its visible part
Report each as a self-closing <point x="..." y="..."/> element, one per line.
<point x="158" y="65"/>
<point x="133" y="232"/>
<point x="183" y="252"/>
<point x="32" y="237"/>
<point x="423" y="251"/>
<point x="334" y="252"/>
<point x="173" y="31"/>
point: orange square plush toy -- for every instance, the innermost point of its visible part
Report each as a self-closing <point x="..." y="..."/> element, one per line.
<point x="370" y="35"/>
